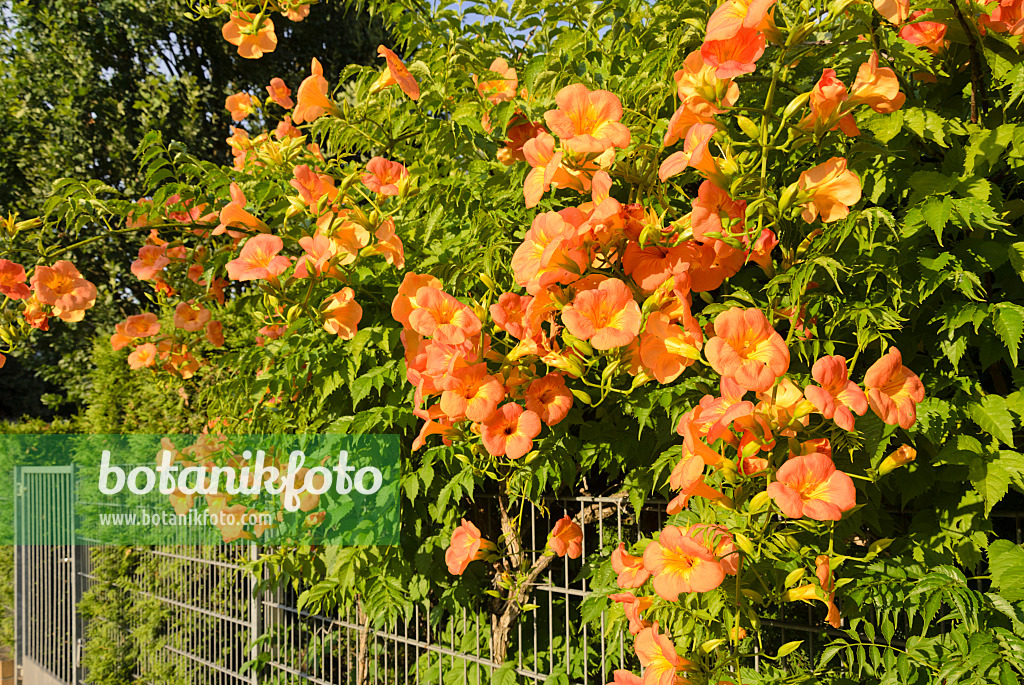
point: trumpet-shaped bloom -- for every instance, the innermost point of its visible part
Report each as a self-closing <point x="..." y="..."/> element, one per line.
<point x="259" y="259"/>
<point x="694" y="154"/>
<point x="510" y="431"/>
<point x="385" y="177"/>
<point x="700" y="91"/>
<point x="240" y="106"/>
<point x="188" y="319"/>
<point x="829" y="107"/>
<point x="894" y="11"/>
<point x="688" y="479"/>
<point x="667" y="348"/>
<point x="280" y="93"/>
<point x="830" y="188"/>
<point x="466" y="545"/>
<point x="550" y="253"/>
<point x="142" y="356"/>
<point x="509" y="314"/>
<point x="902" y="455"/>
<point x="632" y="573"/>
<point x="733" y="16"/>
<point x="823" y="572"/>
<point x="500" y="89"/>
<point x="878" y="88"/>
<point x="471" y="393"/>
<point x="715" y="212"/>
<point x="63" y="288"/>
<point x="313" y="102"/>
<point x="811" y="486"/>
<point x="251" y="45"/>
<point x="652" y="265"/>
<point x="623" y="677"/>
<point x="893" y="390"/>
<point x="607" y="315"/>
<point x="389" y="245"/>
<point x="930" y="35"/>
<point x="549" y="398"/>
<point x="395" y="72"/>
<point x="404" y="302"/>
<point x="12" y="280"/>
<point x="152" y="260"/>
<point x="312" y="186"/>
<point x="215" y="333"/>
<point x="633" y="607"/>
<point x="680" y="563"/>
<point x="566" y="539"/>
<point x="234" y="214"/>
<point x="440" y="316"/>
<point x="838" y="398"/>
<point x="747" y="349"/>
<point x="587" y="122"/>
<point x="658" y="656"/>
<point x="342" y="314"/>
<point x="736" y="55"/>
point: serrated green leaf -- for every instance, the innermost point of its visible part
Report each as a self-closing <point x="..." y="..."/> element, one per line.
<point x="994" y="418"/>
<point x="1009" y="325"/>
<point x="1017" y="258"/>
<point x="1006" y="564"/>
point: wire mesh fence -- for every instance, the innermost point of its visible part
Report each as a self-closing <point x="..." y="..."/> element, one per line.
<point x="204" y="622"/>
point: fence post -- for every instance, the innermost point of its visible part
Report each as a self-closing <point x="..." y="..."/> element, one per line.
<point x="255" y="613"/>
<point x="19" y="573"/>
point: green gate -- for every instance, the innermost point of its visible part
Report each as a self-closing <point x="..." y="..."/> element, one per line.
<point x="46" y="580"/>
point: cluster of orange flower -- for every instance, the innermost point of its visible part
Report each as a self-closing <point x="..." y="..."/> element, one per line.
<point x="251" y="30"/>
<point x="57" y="290"/>
<point x="343" y="231"/>
<point x="608" y="282"/>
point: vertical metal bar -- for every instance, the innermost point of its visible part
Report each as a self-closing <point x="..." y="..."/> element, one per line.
<point x="255" y="605"/>
<point x="19" y="572"/>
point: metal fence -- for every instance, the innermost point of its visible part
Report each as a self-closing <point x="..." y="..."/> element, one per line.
<point x="210" y="622"/>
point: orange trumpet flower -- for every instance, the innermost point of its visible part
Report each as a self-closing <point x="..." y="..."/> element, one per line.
<point x="893" y="390"/>
<point x="811" y="486"/>
<point x="395" y="72"/>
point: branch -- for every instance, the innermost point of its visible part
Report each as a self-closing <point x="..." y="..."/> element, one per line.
<point x="977" y="85"/>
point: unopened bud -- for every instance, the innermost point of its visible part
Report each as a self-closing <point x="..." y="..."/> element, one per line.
<point x="759" y="501"/>
<point x="787" y="197"/>
<point x="748" y="127"/>
<point x="795" y="104"/>
<point x="744" y="543"/>
<point x="794" y="577"/>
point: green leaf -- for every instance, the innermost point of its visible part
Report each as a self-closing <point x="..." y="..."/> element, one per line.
<point x="506" y="675"/>
<point x="788" y="648"/>
<point x="1017" y="258"/>
<point x="936" y="214"/>
<point x="991" y="480"/>
<point x="1009" y="324"/>
<point x="993" y="417"/>
<point x="1006" y="564"/>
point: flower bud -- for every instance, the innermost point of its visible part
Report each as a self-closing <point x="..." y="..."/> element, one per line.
<point x="787" y="197"/>
<point x="744" y="543"/>
<point x="794" y="577"/>
<point x="582" y="396"/>
<point x="903" y="455"/>
<point x="759" y="501"/>
<point x="795" y="104"/>
<point x="748" y="127"/>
